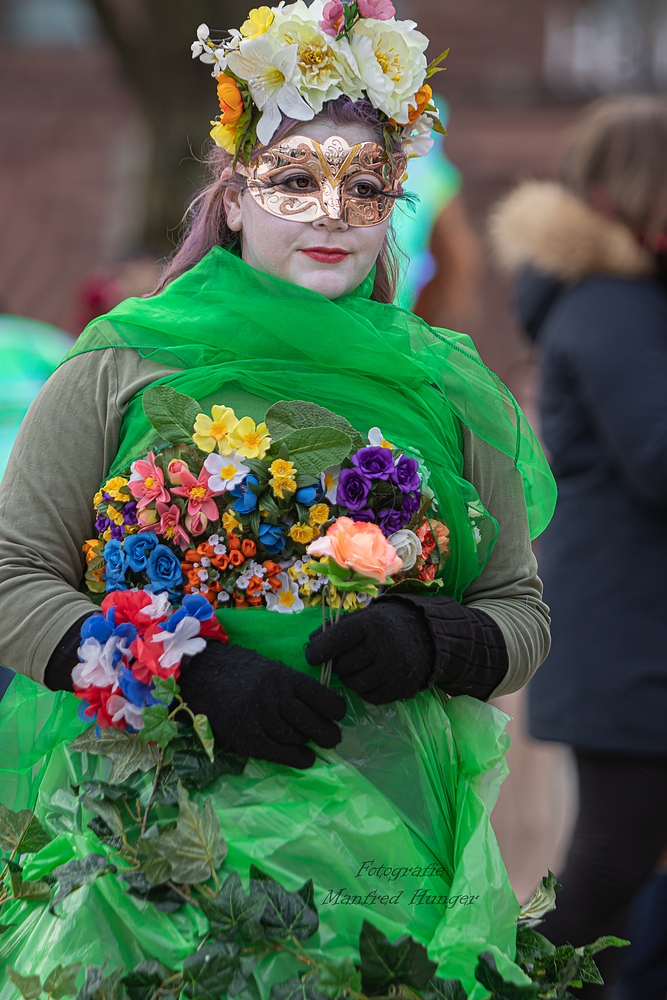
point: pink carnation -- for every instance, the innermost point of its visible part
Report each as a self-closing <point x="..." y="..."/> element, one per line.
<point x="333" y="20"/>
<point x="379" y="10"/>
<point x="359" y="546"/>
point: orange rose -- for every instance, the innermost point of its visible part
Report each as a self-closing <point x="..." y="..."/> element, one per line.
<point x="231" y="102"/>
<point x="248" y="548"/>
<point x="239" y="599"/>
<point x="359" y="546"/>
<point x="236" y="558"/>
<point x="206" y="550"/>
<point x="255" y="601"/>
<point x="234" y="542"/>
<point x="422" y="99"/>
<point x="254" y="586"/>
<point x="427" y="573"/>
<point x="220" y="562"/>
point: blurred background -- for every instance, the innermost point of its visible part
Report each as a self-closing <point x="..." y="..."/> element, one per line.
<point x="102" y="118"/>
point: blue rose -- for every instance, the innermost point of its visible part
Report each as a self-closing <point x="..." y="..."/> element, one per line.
<point x="272" y="537"/>
<point x="137" y="549"/>
<point x="164" y="570"/>
<point x="116" y="565"/>
<point x="309" y="495"/>
<point x="246" y="499"/>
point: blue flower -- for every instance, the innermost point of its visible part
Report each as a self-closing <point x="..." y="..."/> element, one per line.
<point x="272" y="537"/>
<point x="164" y="570"/>
<point x="246" y="499"/>
<point x="137" y="549"/>
<point x="136" y="692"/>
<point x="116" y="566"/>
<point x="193" y="606"/>
<point x="309" y="495"/>
<point x="96" y="627"/>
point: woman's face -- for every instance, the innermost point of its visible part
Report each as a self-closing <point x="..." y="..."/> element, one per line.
<point x="326" y="255"/>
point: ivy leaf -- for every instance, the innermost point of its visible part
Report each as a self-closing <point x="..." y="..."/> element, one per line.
<point x="297" y="989"/>
<point x="167" y="791"/>
<point x="233" y="911"/>
<point x="487" y="974"/>
<point x="165" y="689"/>
<point x="77" y="873"/>
<point x="161" y="896"/>
<point x="103" y="790"/>
<point x="29" y="987"/>
<point x="532" y="947"/>
<point x="61" y="981"/>
<point x="111" y="987"/>
<point x="106" y="810"/>
<point x="21" y="832"/>
<point x="202" y="727"/>
<point x="194" y="768"/>
<point x="171" y="413"/>
<point x="209" y="972"/>
<point x="37" y="890"/>
<point x="145" y="979"/>
<point x="542" y="901"/>
<point x="286" y="914"/>
<point x="384" y="964"/>
<point x="336" y="976"/>
<point x="104" y="833"/>
<point x="315" y="448"/>
<point x="154" y="865"/>
<point x="445" y="989"/>
<point x="284" y="417"/>
<point x="158" y="727"/>
<point x="195" y="847"/>
<point x="126" y="750"/>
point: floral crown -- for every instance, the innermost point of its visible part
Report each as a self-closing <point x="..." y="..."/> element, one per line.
<point x="291" y="59"/>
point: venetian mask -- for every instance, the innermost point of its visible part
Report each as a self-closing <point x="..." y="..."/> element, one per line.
<point x="305" y="180"/>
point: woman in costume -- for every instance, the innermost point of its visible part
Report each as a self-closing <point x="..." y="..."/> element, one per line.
<point x="379" y="787"/>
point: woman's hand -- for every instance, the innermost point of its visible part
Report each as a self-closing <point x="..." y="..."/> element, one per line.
<point x="259" y="707"/>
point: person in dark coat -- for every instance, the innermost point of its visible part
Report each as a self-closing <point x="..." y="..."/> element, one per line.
<point x="589" y="257"/>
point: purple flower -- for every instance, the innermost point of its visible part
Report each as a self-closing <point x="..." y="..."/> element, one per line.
<point x="353" y="489"/>
<point x="406" y="474"/>
<point x="130" y="512"/>
<point x="378" y="463"/>
<point x="363" y="515"/>
<point x="411" y="503"/>
<point x="392" y="520"/>
<point x="333" y="20"/>
<point x="102" y="523"/>
<point x="117" y="531"/>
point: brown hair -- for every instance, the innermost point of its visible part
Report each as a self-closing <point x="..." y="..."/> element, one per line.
<point x="205" y="222"/>
<point x="619" y="147"/>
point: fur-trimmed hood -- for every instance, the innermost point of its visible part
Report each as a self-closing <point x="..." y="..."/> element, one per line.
<point x="542" y="225"/>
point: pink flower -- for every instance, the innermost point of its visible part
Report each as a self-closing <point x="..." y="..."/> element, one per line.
<point x="379" y="10"/>
<point x="197" y="493"/>
<point x="359" y="546"/>
<point x="147" y="482"/>
<point x="196" y="523"/>
<point x="333" y="20"/>
<point x="170" y="525"/>
<point x="174" y="471"/>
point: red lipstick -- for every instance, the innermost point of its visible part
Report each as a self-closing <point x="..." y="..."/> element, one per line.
<point x="327" y="255"/>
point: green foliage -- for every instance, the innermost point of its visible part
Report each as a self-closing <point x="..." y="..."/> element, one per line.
<point x="233" y="912"/>
<point x="286" y="914"/>
<point x="487" y="974"/>
<point x="158" y="727"/>
<point x="194" y="848"/>
<point x="60" y="982"/>
<point x="383" y="964"/>
<point x="38" y="891"/>
<point x="315" y="448"/>
<point x="21" y="832"/>
<point x="554" y="970"/>
<point x="542" y="901"/>
<point x="298" y="989"/>
<point x="209" y="972"/>
<point x="145" y="979"/>
<point x="163" y="897"/>
<point x="445" y="989"/>
<point x="345" y="579"/>
<point x="284" y="417"/>
<point x="126" y="750"/>
<point x="202" y="728"/>
<point x="30" y="987"/>
<point x="78" y="873"/>
<point x="171" y="413"/>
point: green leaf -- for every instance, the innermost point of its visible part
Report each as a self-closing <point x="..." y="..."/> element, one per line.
<point x="604" y="942"/>
<point x="21" y="832"/>
<point x="283" y="418"/>
<point x="165" y="689"/>
<point x="30" y="987"/>
<point x="171" y="413"/>
<point x="145" y="979"/>
<point x="195" y="847"/>
<point x="436" y="124"/>
<point x="532" y="947"/>
<point x="161" y="896"/>
<point x="106" y="810"/>
<point x="434" y="65"/>
<point x="208" y="972"/>
<point x="343" y="579"/>
<point x="158" y="727"/>
<point x="445" y="989"/>
<point x="194" y="768"/>
<point x="111" y="987"/>
<point x="411" y="586"/>
<point x="487" y="974"/>
<point x="232" y="911"/>
<point x="103" y="790"/>
<point x="542" y="901"/>
<point x="37" y="890"/>
<point x="78" y="873"/>
<point x="244" y="970"/>
<point x="314" y="449"/>
<point x="337" y="976"/>
<point x="384" y="964"/>
<point x="61" y="981"/>
<point x="104" y="833"/>
<point x="202" y="727"/>
<point x="126" y="750"/>
<point x="298" y="989"/>
<point x="154" y="865"/>
<point x="286" y="914"/>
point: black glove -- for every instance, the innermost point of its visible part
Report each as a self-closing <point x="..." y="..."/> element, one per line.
<point x="403" y="644"/>
<point x="259" y="707"/>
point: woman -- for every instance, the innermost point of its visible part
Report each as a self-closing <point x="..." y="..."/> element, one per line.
<point x="591" y="255"/>
<point x="282" y="289"/>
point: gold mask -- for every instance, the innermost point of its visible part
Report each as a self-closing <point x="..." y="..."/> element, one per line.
<point x="304" y="180"/>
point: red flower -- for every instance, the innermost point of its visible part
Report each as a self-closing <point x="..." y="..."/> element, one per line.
<point x="97" y="699"/>
<point x="128" y="605"/>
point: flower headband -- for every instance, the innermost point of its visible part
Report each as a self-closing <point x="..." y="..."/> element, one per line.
<point x="291" y="59"/>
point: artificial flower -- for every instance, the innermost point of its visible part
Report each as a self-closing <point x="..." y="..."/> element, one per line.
<point x="164" y="569"/>
<point x="230" y="99"/>
<point x="423" y="98"/>
<point x="286" y="600"/>
<point x="248" y="548"/>
<point x="246" y="500"/>
<point x="147" y="517"/>
<point x="214" y="430"/>
<point x="137" y="549"/>
<point x="376" y="439"/>
<point x="329" y="480"/>
<point x="391" y="63"/>
<point x="174" y="471"/>
<point x="225" y="473"/>
<point x="121" y="607"/>
<point x="302" y="533"/>
<point x="416" y="138"/>
<point x="224" y="136"/>
<point x="333" y="18"/>
<point x="92" y="548"/>
<point x="319" y="513"/>
<point x="308" y="495"/>
<point x="281" y="485"/>
<point x="376" y="463"/>
<point x="198" y="493"/>
<point x="98" y="663"/>
<point x="408" y="547"/>
<point x="116" y="565"/>
<point x="249" y="440"/>
<point x="353" y="489"/>
<point x="122" y="710"/>
<point x="392" y="520"/>
<point x="272" y="537"/>
<point x="117" y="488"/>
<point x="229" y="522"/>
<point x="95" y="701"/>
<point x="380" y="10"/>
<point x="196" y="523"/>
<point x="405" y="474"/>
<point x="358" y="546"/>
<point x="184" y="640"/>
<point x="114" y="515"/>
<point x="147" y="482"/>
<point x="170" y="525"/>
<point x="259" y="20"/>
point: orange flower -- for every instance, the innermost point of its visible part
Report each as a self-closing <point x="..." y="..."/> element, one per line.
<point x="231" y="102"/>
<point x="239" y="599"/>
<point x="248" y="548"/>
<point x="427" y="573"/>
<point x="234" y="542"/>
<point x="191" y="556"/>
<point x="220" y="562"/>
<point x="441" y="532"/>
<point x="255" y="601"/>
<point x="425" y="536"/>
<point x="205" y="550"/>
<point x="422" y="99"/>
<point x="359" y="546"/>
<point x="236" y="557"/>
<point x="254" y="586"/>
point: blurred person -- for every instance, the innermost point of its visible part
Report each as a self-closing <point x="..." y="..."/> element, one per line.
<point x="590" y="256"/>
<point x="643" y="972"/>
<point x="104" y="288"/>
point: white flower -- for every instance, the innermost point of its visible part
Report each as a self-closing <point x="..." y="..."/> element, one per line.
<point x="119" y="708"/>
<point x="226" y="472"/>
<point x="159" y="607"/>
<point x="273" y="78"/>
<point x="181" y="642"/>
<point x="417" y="139"/>
<point x="363" y="600"/>
<point x="287" y="600"/>
<point x="376" y="439"/>
<point x="329" y="480"/>
<point x="391" y="61"/>
<point x="97" y="666"/>
<point x="407" y="545"/>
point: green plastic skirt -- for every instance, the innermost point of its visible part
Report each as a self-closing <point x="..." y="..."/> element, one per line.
<point x="411" y="786"/>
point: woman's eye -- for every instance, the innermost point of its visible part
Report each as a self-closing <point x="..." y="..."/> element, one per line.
<point x="298" y="182"/>
<point x="365" y="189"/>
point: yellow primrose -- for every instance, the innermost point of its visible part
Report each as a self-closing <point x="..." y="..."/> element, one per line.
<point x="224" y="136"/>
<point x="116" y="488"/>
<point x="281" y="468"/>
<point x="249" y="440"/>
<point x="282" y="484"/>
<point x="114" y="515"/>
<point x="319" y="513"/>
<point x="259" y="21"/>
<point x="302" y="533"/>
<point x="215" y="430"/>
<point x="229" y="522"/>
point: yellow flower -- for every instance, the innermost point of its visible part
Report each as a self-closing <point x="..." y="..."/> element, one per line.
<point x="287" y="598"/>
<point x="215" y="430"/>
<point x="97" y="499"/>
<point x="259" y="20"/>
<point x="224" y="136"/>
<point x="281" y="468"/>
<point x="116" y="488"/>
<point x="249" y="440"/>
<point x="107" y="535"/>
<point x="319" y="513"/>
<point x="280" y="484"/>
<point x="302" y="533"/>
<point x="92" y="548"/>
<point x="229" y="522"/>
<point x="114" y="515"/>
